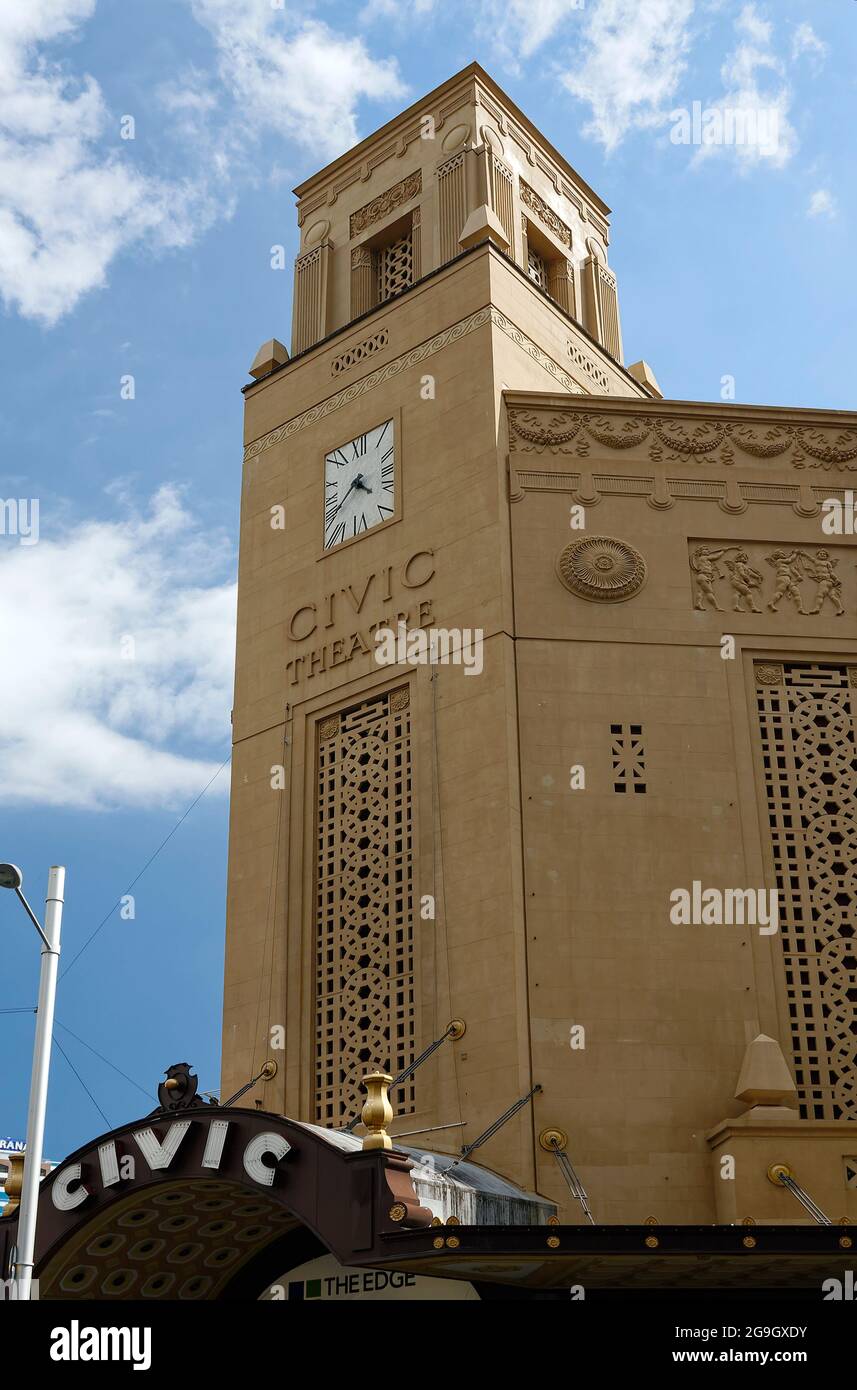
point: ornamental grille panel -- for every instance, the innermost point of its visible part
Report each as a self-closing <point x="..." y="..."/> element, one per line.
<point x="359" y="352"/>
<point x="536" y="268"/>
<point x="628" y="758"/>
<point x="808" y="725"/>
<point x="395" y="267"/>
<point x="364" y="948"/>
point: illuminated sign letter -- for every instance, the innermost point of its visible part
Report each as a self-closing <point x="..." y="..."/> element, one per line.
<point x="264" y="1144"/>
<point x="157" y="1154"/>
<point x="63" y="1199"/>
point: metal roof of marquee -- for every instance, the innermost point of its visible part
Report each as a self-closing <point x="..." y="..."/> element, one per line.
<point x="200" y="1201"/>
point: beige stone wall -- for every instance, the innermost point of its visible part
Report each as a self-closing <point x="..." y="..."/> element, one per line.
<point x="474" y="329"/>
<point x="667" y="1010"/>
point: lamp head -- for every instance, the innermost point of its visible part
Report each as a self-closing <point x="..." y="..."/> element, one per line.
<point x="10" y="876"/>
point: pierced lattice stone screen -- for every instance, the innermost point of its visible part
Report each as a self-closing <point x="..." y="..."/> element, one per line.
<point x="808" y="723"/>
<point x="536" y="268"/>
<point x="628" y="757"/>
<point x="395" y="267"/>
<point x="364" y="956"/>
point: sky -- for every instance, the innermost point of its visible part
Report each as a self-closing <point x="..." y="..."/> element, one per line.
<point x="148" y="149"/>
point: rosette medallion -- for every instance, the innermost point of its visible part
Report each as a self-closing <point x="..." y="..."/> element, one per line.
<point x="602" y="568"/>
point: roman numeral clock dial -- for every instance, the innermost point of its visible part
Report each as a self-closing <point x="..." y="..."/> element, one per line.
<point x="359" y="485"/>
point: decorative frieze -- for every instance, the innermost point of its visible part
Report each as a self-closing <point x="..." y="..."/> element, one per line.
<point x="754" y="578"/>
<point x="385" y="203"/>
<point x="685" y="437"/>
<point x="545" y="214"/>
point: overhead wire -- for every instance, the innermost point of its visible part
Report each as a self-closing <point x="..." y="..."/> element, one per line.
<point x="147" y="865"/>
<point x="81" y="1080"/>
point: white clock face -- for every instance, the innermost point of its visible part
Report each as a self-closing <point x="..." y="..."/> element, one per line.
<point x="359" y="485"/>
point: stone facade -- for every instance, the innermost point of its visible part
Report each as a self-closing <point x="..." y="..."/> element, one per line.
<point x="667" y="697"/>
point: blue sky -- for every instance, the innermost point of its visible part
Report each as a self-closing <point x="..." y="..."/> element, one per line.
<point x="136" y="285"/>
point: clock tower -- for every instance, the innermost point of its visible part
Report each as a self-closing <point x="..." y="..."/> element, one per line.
<point x="487" y="825"/>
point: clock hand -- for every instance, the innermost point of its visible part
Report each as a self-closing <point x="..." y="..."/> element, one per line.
<point x="345" y="498"/>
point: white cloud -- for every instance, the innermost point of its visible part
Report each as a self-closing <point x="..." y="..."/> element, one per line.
<point x="632" y="57"/>
<point x="72" y="198"/>
<point x="301" y="78"/>
<point x="84" y="726"/>
<point x="375" y="10"/>
<point x="821" y="204"/>
<point x="518" y="28"/>
<point x="756" y="99"/>
<point x="67" y="208"/>
<point x="806" y="41"/>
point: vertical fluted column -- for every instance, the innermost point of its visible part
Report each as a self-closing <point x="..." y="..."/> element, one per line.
<point x="310" y="312"/>
<point x="364" y="281"/>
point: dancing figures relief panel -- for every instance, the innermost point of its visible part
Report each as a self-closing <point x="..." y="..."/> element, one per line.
<point x="806" y="580"/>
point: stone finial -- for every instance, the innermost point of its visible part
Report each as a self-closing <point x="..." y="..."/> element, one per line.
<point x="377" y="1111"/>
<point x="482" y="225"/>
<point x="642" y="372"/>
<point x="765" y="1078"/>
<point x="270" y="355"/>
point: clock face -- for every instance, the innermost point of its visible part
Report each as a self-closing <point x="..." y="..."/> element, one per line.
<point x="359" y="485"/>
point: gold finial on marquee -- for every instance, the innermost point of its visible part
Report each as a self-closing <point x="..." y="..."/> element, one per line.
<point x="14" y="1183"/>
<point x="377" y="1111"/>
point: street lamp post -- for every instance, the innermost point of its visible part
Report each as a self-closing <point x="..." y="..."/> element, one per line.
<point x="11" y="877"/>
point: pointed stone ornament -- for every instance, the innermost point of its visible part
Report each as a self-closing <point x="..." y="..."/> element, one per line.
<point x="482" y="225"/>
<point x="270" y="355"/>
<point x="765" y="1078"/>
<point x="642" y="372"/>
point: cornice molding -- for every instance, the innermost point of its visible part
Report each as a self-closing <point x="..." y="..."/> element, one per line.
<point x="470" y="86"/>
<point x="412" y="358"/>
<point x="732" y="495"/>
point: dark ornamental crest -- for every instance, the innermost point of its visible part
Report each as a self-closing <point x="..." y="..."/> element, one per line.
<point x="179" y="1089"/>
